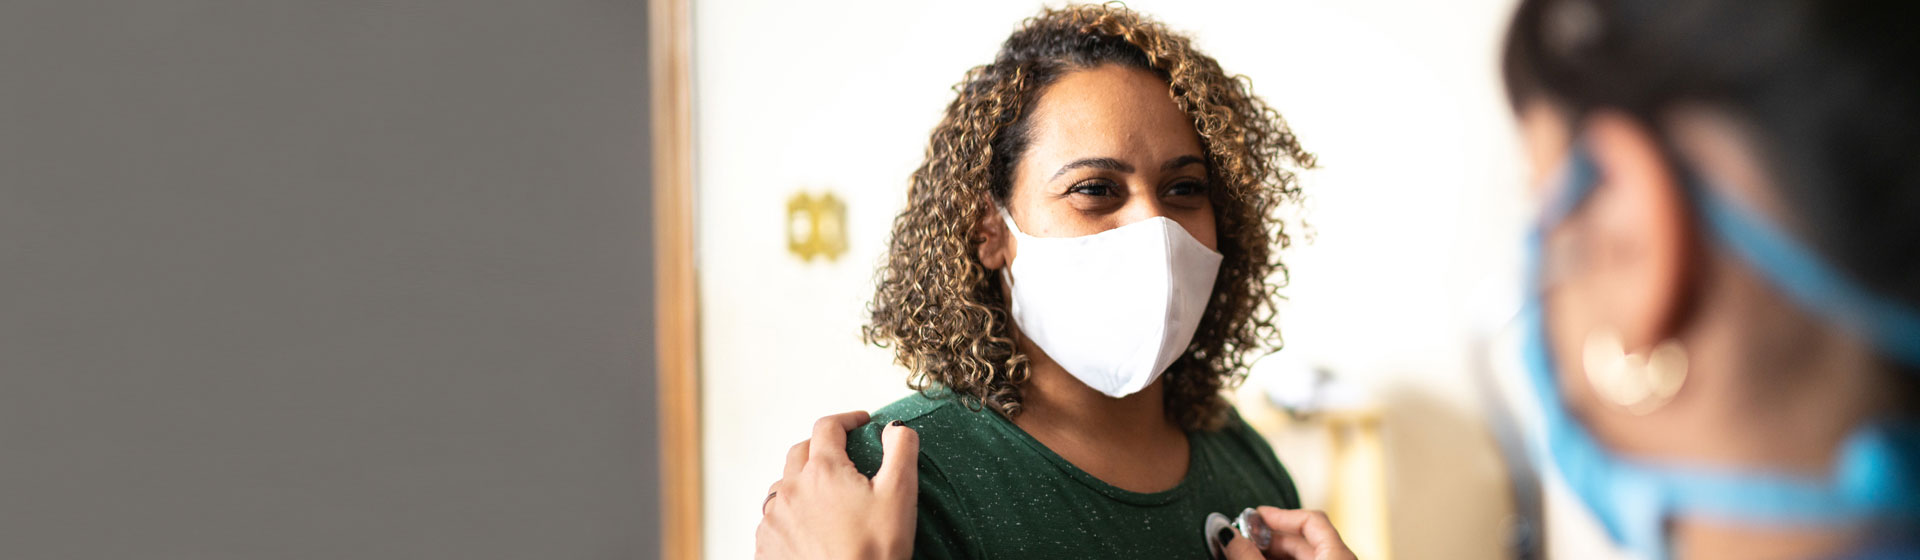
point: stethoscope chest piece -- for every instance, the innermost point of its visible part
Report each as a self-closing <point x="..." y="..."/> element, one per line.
<point x="1249" y="524"/>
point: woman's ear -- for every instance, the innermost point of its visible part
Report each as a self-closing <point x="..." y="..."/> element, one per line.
<point x="1640" y="235"/>
<point x="995" y="244"/>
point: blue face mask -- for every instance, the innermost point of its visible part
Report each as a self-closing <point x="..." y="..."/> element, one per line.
<point x="1876" y="477"/>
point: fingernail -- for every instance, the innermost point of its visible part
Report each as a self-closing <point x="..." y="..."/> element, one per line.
<point x="1226" y="535"/>
<point x="896" y="423"/>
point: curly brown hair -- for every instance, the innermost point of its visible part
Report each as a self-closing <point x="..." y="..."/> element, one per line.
<point x="945" y="315"/>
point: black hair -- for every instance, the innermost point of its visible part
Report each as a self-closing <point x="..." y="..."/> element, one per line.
<point x="1829" y="88"/>
<point x="1041" y="55"/>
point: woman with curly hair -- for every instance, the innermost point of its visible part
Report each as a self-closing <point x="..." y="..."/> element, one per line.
<point x="1085" y="261"/>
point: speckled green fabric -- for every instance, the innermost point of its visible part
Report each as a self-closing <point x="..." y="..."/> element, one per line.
<point x="989" y="490"/>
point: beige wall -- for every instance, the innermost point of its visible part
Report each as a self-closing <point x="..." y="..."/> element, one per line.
<point x="1401" y="100"/>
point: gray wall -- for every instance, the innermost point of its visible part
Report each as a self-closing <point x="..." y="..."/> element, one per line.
<point x="325" y="279"/>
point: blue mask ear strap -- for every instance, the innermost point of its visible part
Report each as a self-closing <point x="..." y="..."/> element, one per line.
<point x="1891" y="327"/>
<point x="1576" y="180"/>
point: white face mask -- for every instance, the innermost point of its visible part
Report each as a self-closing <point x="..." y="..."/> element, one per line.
<point x="1114" y="308"/>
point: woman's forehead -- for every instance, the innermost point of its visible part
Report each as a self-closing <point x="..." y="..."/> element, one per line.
<point x="1109" y="111"/>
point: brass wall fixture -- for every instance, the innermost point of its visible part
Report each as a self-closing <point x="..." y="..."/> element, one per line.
<point x="816" y="226"/>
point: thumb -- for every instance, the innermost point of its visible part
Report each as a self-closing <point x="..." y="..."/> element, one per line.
<point x="1241" y="548"/>
<point x="899" y="475"/>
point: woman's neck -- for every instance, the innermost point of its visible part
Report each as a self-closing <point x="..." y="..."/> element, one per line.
<point x="1706" y="540"/>
<point x="1775" y="390"/>
<point x="1771" y="388"/>
<point x="1106" y="437"/>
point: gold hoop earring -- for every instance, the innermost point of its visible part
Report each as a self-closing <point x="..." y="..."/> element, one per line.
<point x="1638" y="382"/>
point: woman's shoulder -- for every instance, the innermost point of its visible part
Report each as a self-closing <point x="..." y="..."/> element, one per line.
<point x="946" y="426"/>
<point x="915" y="407"/>
<point x="1243" y="449"/>
<point x="1233" y="428"/>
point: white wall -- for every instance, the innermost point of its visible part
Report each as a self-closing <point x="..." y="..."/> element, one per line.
<point x="1400" y="99"/>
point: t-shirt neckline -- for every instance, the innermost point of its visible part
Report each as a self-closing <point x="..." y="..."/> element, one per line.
<point x="1163" y="497"/>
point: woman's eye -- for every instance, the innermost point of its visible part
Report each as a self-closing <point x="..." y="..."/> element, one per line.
<point x="1186" y="188"/>
<point x="1092" y="188"/>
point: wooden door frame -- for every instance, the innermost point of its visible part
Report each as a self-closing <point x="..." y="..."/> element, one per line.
<point x="676" y="307"/>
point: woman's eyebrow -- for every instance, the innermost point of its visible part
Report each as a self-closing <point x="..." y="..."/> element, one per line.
<point x="1182" y="161"/>
<point x="1112" y="164"/>
<point x="1106" y="163"/>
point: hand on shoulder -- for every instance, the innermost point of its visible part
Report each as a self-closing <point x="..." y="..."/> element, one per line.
<point x="822" y="507"/>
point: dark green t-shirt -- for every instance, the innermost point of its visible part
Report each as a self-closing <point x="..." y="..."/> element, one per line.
<point x="989" y="490"/>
